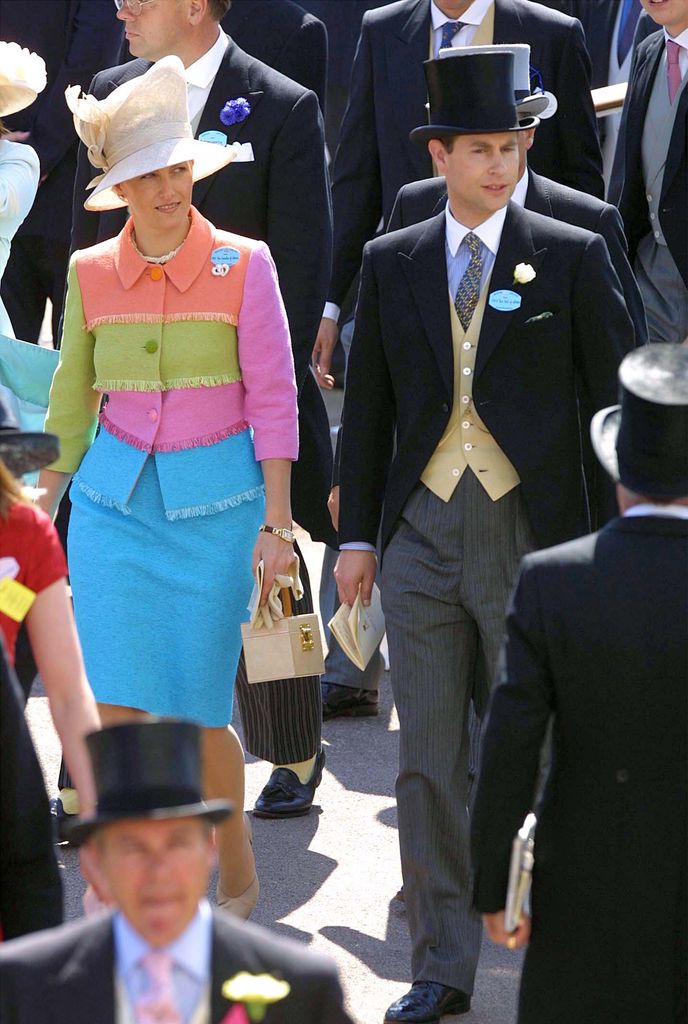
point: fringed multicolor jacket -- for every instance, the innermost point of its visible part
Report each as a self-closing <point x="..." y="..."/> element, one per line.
<point x="195" y="362"/>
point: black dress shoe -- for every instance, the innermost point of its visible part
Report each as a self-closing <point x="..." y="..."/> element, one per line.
<point x="346" y="702"/>
<point x="60" y="820"/>
<point x="426" y="1002"/>
<point x="285" y="796"/>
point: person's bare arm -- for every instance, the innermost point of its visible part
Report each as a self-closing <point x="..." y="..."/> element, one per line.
<point x="55" y="646"/>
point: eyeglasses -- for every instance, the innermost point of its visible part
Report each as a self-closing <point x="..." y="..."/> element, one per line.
<point x="133" y="6"/>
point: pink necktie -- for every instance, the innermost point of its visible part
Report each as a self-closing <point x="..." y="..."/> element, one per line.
<point x="673" y="68"/>
<point x="157" y="1004"/>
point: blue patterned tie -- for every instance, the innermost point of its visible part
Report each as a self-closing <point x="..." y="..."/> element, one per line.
<point x="468" y="292"/>
<point x="627" y="25"/>
<point x="449" y="30"/>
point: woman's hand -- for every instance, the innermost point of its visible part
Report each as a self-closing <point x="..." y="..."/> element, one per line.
<point x="494" y="926"/>
<point x="277" y="556"/>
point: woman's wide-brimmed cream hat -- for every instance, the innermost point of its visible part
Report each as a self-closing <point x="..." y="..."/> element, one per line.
<point x="22" y="77"/>
<point x="142" y="126"/>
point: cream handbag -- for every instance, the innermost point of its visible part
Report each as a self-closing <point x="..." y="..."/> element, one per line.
<point x="278" y="644"/>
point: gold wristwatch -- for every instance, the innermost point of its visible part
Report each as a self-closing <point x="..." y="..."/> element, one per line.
<point x="280" y="531"/>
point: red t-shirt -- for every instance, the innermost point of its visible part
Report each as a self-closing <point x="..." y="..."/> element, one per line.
<point x="31" y="553"/>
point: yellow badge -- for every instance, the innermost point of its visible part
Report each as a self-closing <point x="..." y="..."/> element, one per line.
<point x="15" y="599"/>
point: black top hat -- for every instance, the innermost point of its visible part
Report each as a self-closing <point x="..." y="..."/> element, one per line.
<point x="643" y="443"/>
<point x="146" y="770"/>
<point x="23" y="452"/>
<point x="471" y="94"/>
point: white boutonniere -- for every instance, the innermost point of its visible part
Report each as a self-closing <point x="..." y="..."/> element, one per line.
<point x="252" y="994"/>
<point x="523" y="273"/>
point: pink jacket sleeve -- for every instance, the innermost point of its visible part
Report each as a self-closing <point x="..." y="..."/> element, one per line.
<point x="266" y="361"/>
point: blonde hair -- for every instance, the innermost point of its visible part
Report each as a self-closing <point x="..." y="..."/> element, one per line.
<point x="10" y="491"/>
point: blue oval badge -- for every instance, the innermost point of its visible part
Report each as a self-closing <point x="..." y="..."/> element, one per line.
<point x="219" y="138"/>
<point x="505" y="301"/>
<point x="225" y="257"/>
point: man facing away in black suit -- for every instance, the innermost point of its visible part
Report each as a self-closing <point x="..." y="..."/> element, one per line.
<point x="388" y="98"/>
<point x="163" y="955"/>
<point x="476" y="333"/>
<point x="597" y="637"/>
<point x="280" y="196"/>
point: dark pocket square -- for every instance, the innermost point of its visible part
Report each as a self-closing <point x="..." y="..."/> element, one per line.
<point x="547" y="315"/>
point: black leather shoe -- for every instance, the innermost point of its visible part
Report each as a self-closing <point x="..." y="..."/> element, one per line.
<point x="284" y="796"/>
<point x="60" y="820"/>
<point x="426" y="1002"/>
<point x="346" y="702"/>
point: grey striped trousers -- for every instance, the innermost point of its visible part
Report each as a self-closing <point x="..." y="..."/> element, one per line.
<point x="446" y="576"/>
<point x="282" y="719"/>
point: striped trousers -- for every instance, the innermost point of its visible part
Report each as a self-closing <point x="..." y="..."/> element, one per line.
<point x="446" y="577"/>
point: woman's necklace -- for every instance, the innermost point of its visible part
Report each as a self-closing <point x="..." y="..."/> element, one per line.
<point x="155" y="259"/>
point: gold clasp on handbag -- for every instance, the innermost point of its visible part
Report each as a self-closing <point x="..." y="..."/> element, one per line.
<point x="307" y="641"/>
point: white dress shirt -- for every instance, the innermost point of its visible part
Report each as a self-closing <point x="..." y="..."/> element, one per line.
<point x="648" y="509"/>
<point x="200" y="77"/>
<point x="682" y="40"/>
<point x="190" y="954"/>
<point x="471" y="20"/>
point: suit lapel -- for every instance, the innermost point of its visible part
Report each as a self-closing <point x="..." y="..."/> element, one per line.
<point x="426" y="271"/>
<point x="677" y="146"/>
<point x="507" y="21"/>
<point x="538" y="198"/>
<point x="407" y="49"/>
<point x="229" y="956"/>
<point x="84" y="990"/>
<point x="231" y="81"/>
<point x="642" y="91"/>
<point x="516" y="247"/>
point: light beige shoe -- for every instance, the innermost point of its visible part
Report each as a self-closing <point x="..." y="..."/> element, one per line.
<point x="240" y="906"/>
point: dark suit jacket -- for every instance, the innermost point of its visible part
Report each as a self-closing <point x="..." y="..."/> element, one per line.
<point x="597" y="634"/>
<point x="30" y="886"/>
<point x="75" y="38"/>
<point x="282" y="198"/>
<point x="388" y="96"/>
<point x="527" y="382"/>
<point x="422" y="199"/>
<point x="283" y="36"/>
<point x="65" y="976"/>
<point x="627" y="187"/>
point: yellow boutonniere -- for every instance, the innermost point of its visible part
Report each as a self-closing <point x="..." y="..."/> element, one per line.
<point x="256" y="992"/>
<point x="523" y="273"/>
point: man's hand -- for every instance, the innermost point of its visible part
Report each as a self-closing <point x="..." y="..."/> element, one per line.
<point x="333" y="506"/>
<point x="354" y="570"/>
<point x="17" y="136"/>
<point x="494" y="926"/>
<point x="323" y="350"/>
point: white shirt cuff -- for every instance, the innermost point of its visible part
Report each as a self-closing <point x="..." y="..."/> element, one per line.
<point x="332" y="311"/>
<point x="357" y="545"/>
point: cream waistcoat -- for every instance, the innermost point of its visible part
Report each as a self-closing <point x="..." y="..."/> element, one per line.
<point x="466" y="441"/>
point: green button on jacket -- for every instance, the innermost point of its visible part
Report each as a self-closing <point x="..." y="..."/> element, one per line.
<point x="151" y="346"/>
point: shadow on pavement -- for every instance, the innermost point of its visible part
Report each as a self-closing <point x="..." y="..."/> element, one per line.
<point x="387" y="958"/>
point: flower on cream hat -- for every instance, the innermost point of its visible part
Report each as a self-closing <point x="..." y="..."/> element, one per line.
<point x="141" y="126"/>
<point x="22" y="77"/>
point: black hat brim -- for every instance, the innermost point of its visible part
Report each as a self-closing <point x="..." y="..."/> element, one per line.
<point x="26" y="452"/>
<point x="604" y="430"/>
<point x="214" y="811"/>
<point x="437" y="131"/>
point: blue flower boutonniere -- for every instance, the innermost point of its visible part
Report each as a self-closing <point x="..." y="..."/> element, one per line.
<point x="235" y="111"/>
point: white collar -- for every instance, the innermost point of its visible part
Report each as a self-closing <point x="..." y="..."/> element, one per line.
<point x="473" y="16"/>
<point x="519" y="196"/>
<point x="681" y="38"/>
<point x="489" y="232"/>
<point x="202" y="72"/>
<point x="648" y="509"/>
<point x="190" y="951"/>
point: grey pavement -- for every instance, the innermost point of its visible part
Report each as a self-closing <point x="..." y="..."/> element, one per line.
<point x="329" y="880"/>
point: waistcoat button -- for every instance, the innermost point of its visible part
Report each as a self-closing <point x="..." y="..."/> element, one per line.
<point x="151" y="346"/>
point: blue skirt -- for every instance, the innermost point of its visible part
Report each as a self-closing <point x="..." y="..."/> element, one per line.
<point x="159" y="602"/>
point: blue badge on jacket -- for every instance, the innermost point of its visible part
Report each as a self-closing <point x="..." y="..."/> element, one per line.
<point x="505" y="301"/>
<point x="225" y="257"/>
<point x="219" y="138"/>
